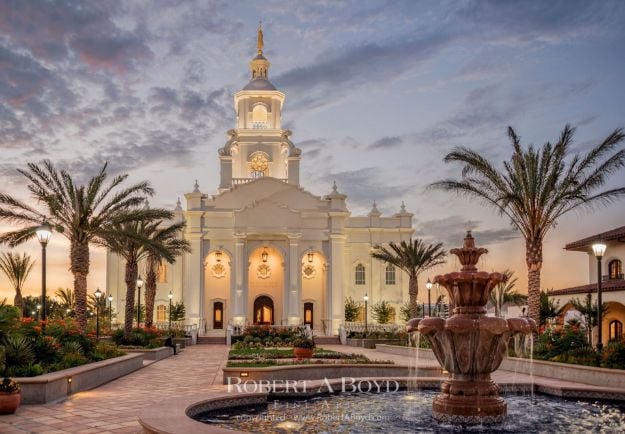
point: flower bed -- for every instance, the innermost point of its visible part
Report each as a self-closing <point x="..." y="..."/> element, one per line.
<point x="266" y="357"/>
<point x="30" y="350"/>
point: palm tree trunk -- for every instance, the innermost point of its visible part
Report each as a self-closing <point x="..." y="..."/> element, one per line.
<point x="150" y="293"/>
<point x="79" y="259"/>
<point x="18" y="300"/>
<point x="130" y="277"/>
<point x="534" y="259"/>
<point x="413" y="292"/>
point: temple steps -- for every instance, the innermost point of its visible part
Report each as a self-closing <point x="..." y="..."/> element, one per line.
<point x="203" y="340"/>
<point x="327" y="340"/>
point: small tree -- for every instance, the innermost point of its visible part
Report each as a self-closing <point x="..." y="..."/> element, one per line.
<point x="382" y="312"/>
<point x="589" y="312"/>
<point x="548" y="309"/>
<point x="352" y="308"/>
<point x="503" y="293"/>
<point x="16" y="268"/>
<point x="404" y="312"/>
<point x="178" y="311"/>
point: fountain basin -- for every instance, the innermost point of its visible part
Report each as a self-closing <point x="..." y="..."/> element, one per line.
<point x="406" y="411"/>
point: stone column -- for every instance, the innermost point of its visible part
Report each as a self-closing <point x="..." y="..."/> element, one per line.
<point x="239" y="293"/>
<point x="337" y="302"/>
<point x="294" y="294"/>
<point x="195" y="281"/>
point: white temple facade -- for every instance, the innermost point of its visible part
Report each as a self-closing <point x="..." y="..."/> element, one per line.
<point x="265" y="250"/>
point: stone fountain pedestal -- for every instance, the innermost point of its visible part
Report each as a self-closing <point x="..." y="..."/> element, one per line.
<point x="469" y="344"/>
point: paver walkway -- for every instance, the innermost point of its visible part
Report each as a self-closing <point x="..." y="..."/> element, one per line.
<point x="113" y="407"/>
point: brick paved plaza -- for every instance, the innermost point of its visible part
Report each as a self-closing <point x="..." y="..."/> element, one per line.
<point x="113" y="407"/>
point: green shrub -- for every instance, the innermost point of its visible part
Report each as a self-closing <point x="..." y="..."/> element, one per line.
<point x="614" y="355"/>
<point x="71" y="360"/>
<point x="382" y="312"/>
<point x="106" y="350"/>
<point x="558" y="343"/>
<point x="47" y="350"/>
<point x="352" y="308"/>
<point x="9" y="320"/>
<point x="18" y="350"/>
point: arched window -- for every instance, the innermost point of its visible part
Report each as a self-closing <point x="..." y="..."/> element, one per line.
<point x="615" y="270"/>
<point x="259" y="116"/>
<point x="390" y="274"/>
<point x="359" y="275"/>
<point x="161" y="273"/>
<point x="615" y="330"/>
<point x="161" y="313"/>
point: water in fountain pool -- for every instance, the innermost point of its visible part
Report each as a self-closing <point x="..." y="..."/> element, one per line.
<point x="409" y="412"/>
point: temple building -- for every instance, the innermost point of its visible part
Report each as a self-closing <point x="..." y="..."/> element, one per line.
<point x="265" y="250"/>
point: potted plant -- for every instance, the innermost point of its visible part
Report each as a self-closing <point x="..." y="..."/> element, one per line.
<point x="303" y="348"/>
<point x="9" y="396"/>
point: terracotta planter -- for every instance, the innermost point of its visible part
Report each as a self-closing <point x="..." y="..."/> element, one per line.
<point x="302" y="353"/>
<point x="9" y="402"/>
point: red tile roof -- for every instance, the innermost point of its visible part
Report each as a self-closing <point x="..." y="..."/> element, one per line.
<point x="607" y="286"/>
<point x="617" y="234"/>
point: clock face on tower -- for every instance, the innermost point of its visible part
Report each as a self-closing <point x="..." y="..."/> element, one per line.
<point x="259" y="165"/>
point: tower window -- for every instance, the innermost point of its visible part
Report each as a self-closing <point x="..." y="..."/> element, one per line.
<point x="259" y="116"/>
<point x="359" y="275"/>
<point x="390" y="274"/>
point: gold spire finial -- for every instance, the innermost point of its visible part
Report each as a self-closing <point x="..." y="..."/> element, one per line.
<point x="260" y="42"/>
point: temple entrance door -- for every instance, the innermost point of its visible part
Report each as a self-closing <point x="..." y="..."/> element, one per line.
<point x="218" y="315"/>
<point x="263" y="311"/>
<point x="308" y="315"/>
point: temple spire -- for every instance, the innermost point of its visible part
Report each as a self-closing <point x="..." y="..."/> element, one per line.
<point x="260" y="43"/>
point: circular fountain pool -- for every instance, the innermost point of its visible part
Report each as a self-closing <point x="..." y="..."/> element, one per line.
<point x="409" y="412"/>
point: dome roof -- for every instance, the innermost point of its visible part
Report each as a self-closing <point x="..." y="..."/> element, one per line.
<point x="259" y="84"/>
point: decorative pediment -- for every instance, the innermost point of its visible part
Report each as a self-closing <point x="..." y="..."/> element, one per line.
<point x="267" y="188"/>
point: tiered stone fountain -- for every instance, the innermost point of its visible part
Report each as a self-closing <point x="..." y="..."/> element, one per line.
<point x="469" y="344"/>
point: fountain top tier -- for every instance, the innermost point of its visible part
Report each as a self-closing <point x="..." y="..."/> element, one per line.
<point x="469" y="288"/>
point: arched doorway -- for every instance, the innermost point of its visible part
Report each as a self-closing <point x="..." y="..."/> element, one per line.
<point x="263" y="310"/>
<point x="218" y="315"/>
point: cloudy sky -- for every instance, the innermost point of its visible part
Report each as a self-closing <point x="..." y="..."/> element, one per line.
<point x="377" y="93"/>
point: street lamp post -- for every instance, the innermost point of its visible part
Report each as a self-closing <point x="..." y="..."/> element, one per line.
<point x="110" y="297"/>
<point x="428" y="285"/>
<point x="599" y="250"/>
<point x="139" y="285"/>
<point x="38" y="312"/>
<point x="44" y="233"/>
<point x="366" y="298"/>
<point x="170" y="296"/>
<point x="98" y="294"/>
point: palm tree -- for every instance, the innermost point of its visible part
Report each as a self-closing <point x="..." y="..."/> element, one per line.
<point x="537" y="186"/>
<point x="413" y="257"/>
<point x="66" y="297"/>
<point x="503" y="293"/>
<point x="134" y="242"/>
<point x="168" y="238"/>
<point x="16" y="268"/>
<point x="79" y="212"/>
